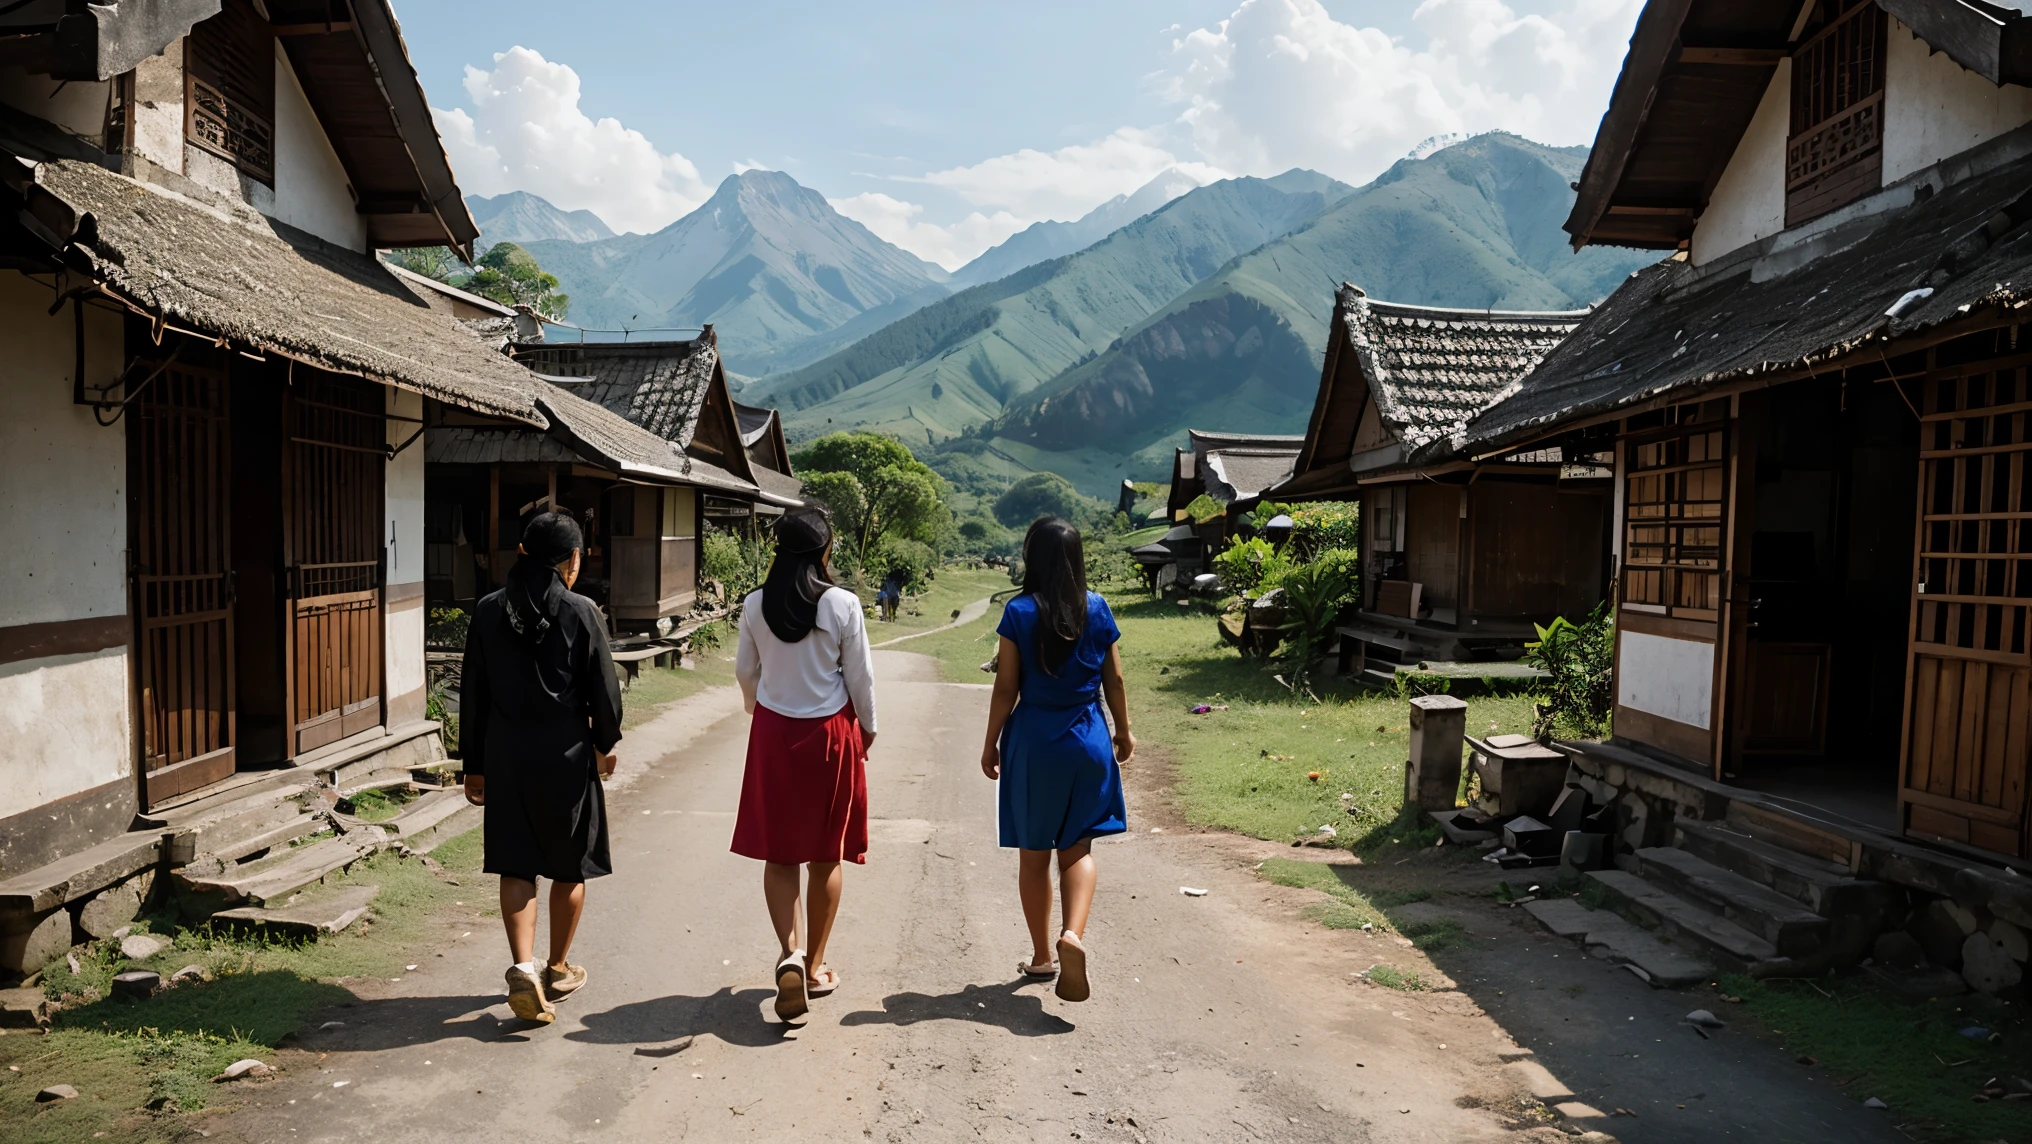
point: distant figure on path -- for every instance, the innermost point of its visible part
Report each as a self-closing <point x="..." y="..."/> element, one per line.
<point x="890" y="597"/>
<point x="542" y="712"/>
<point x="808" y="678"/>
<point x="1061" y="785"/>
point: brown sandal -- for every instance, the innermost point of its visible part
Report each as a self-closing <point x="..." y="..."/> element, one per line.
<point x="831" y="979"/>
<point x="1030" y="972"/>
<point x="1072" y="974"/>
<point x="791" y="999"/>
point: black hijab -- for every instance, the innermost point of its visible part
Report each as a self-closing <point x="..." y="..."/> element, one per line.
<point x="798" y="576"/>
<point x="535" y="587"/>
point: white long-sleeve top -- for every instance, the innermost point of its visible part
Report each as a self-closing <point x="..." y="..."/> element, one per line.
<point x="816" y="676"/>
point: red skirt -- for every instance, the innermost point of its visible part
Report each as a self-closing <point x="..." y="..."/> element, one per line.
<point x="804" y="797"/>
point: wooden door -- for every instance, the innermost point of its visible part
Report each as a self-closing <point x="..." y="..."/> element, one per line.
<point x="333" y="477"/>
<point x="180" y="464"/>
<point x="1969" y="673"/>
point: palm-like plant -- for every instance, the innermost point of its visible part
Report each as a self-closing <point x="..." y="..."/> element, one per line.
<point x="1314" y="595"/>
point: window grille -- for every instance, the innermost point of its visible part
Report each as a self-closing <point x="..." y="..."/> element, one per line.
<point x="1836" y="151"/>
<point x="229" y="89"/>
<point x="1673" y="499"/>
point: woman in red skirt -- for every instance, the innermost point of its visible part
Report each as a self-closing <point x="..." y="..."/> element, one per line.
<point x="808" y="679"/>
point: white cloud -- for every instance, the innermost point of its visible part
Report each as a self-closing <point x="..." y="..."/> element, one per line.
<point x="1066" y="183"/>
<point x="901" y="223"/>
<point x="1281" y="83"/>
<point x="525" y="132"/>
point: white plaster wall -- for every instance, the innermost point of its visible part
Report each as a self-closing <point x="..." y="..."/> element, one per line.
<point x="64" y="722"/>
<point x="60" y="469"/>
<point x="404" y="537"/>
<point x="1933" y="109"/>
<point x="79" y="107"/>
<point x="1749" y="200"/>
<point x="1670" y="678"/>
<point x="311" y="189"/>
<point x="158" y="108"/>
<point x="405" y="651"/>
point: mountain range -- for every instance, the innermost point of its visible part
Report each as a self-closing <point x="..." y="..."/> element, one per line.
<point x="962" y="361"/>
<point x="521" y="217"/>
<point x="1050" y="239"/>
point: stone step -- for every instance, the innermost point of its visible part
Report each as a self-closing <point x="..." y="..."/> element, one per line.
<point x="1619" y="942"/>
<point x="1730" y="945"/>
<point x="86" y="872"/>
<point x="274" y="878"/>
<point x="319" y="915"/>
<point x="345" y="764"/>
<point x="225" y="829"/>
<point x="281" y="834"/>
<point x="436" y="818"/>
<point x="1827" y="888"/>
<point x="1788" y="925"/>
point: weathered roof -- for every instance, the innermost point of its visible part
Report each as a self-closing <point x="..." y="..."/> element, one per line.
<point x="1680" y="330"/>
<point x="447" y="290"/>
<point x="623" y="446"/>
<point x="779" y="488"/>
<point x="269" y="286"/>
<point x="1233" y="474"/>
<point x="754" y="421"/>
<point x="661" y="386"/>
<point x="1205" y="439"/>
<point x="465" y="445"/>
<point x="1430" y="370"/>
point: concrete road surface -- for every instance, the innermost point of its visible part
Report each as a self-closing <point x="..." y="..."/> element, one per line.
<point x="1223" y="1017"/>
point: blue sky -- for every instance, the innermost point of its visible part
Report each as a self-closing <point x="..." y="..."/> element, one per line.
<point x="947" y="126"/>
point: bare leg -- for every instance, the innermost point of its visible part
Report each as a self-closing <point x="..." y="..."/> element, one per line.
<point x="779" y="889"/>
<point x="567" y="905"/>
<point x="518" y="917"/>
<point x="1033" y="885"/>
<point x="823" y="907"/>
<point x="1077" y="876"/>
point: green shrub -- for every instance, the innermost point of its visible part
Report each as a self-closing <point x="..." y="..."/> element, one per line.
<point x="1314" y="595"/>
<point x="446" y="628"/>
<point x="738" y="562"/>
<point x="1581" y="660"/>
<point x="895" y="554"/>
<point x="1251" y="565"/>
<point x="1318" y="525"/>
<point x="1205" y="508"/>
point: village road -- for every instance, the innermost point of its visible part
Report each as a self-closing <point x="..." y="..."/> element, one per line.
<point x="1213" y="1018"/>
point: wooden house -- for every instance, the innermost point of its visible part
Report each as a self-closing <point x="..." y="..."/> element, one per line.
<point x="216" y="394"/>
<point x="666" y="457"/>
<point x="769" y="459"/>
<point x="1460" y="557"/>
<point x="1228" y="467"/>
<point x="1818" y="405"/>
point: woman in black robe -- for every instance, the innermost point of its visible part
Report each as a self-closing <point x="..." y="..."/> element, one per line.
<point x="540" y="710"/>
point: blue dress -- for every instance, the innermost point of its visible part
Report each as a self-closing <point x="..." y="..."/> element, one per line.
<point x="1060" y="784"/>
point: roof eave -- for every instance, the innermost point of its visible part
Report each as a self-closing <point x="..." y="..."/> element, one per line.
<point x="1651" y="46"/>
<point x="381" y="34"/>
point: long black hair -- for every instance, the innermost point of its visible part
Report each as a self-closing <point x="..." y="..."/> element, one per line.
<point x="798" y="575"/>
<point x="535" y="589"/>
<point x="1055" y="575"/>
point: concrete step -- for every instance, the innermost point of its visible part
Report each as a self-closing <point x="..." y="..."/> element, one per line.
<point x="225" y="828"/>
<point x="1787" y="924"/>
<point x="273" y="878"/>
<point x="1617" y="941"/>
<point x="280" y="834"/>
<point x="435" y="818"/>
<point x="1827" y="888"/>
<point x="1728" y="944"/>
<point x="321" y="914"/>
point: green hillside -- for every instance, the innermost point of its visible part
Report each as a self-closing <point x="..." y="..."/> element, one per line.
<point x="1474" y="225"/>
<point x="959" y="362"/>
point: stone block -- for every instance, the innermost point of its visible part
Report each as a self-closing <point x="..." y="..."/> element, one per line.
<point x="1899" y="950"/>
<point x="35" y="943"/>
<point x="1986" y="966"/>
<point x="23" y="1008"/>
<point x="2011" y="937"/>
<point x="116" y="905"/>
<point x="1938" y="933"/>
<point x="1438" y="736"/>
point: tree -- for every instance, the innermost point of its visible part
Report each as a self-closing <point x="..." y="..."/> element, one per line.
<point x="875" y="489"/>
<point x="1046" y="494"/>
<point x="430" y="261"/>
<point x="509" y="275"/>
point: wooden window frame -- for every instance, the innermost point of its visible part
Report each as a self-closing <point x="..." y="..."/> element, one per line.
<point x="1690" y="455"/>
<point x="1834" y="153"/>
<point x="229" y="89"/>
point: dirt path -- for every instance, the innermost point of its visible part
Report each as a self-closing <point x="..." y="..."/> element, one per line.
<point x="1222" y="1017"/>
<point x="967" y="615"/>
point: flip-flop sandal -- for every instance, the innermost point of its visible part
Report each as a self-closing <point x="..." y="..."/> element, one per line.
<point x="1072" y="969"/>
<point x="831" y="979"/>
<point x="1036" y="973"/>
<point x="791" y="998"/>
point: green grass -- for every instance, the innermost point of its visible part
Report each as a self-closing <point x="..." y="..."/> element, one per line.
<point x="1245" y="767"/>
<point x="1913" y="1058"/>
<point x="122" y="1055"/>
<point x="657" y="687"/>
<point x="953" y="589"/>
<point x="1391" y="977"/>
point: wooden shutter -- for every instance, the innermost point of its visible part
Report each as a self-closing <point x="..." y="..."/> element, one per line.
<point x="229" y="89"/>
<point x="180" y="476"/>
<point x="1836" y="151"/>
<point x="333" y="475"/>
<point x="1969" y="677"/>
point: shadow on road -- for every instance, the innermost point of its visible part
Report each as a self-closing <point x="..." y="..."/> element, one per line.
<point x="735" y="1018"/>
<point x="998" y="1005"/>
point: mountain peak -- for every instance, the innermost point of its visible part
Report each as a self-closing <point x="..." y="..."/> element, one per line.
<point x="521" y="217"/>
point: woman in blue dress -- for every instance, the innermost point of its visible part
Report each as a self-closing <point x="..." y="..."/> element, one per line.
<point x="1050" y="746"/>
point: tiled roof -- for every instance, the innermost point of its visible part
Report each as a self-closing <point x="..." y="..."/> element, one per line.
<point x="754" y="421"/>
<point x="1787" y="304"/>
<point x="661" y="386"/>
<point x="1431" y="370"/>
